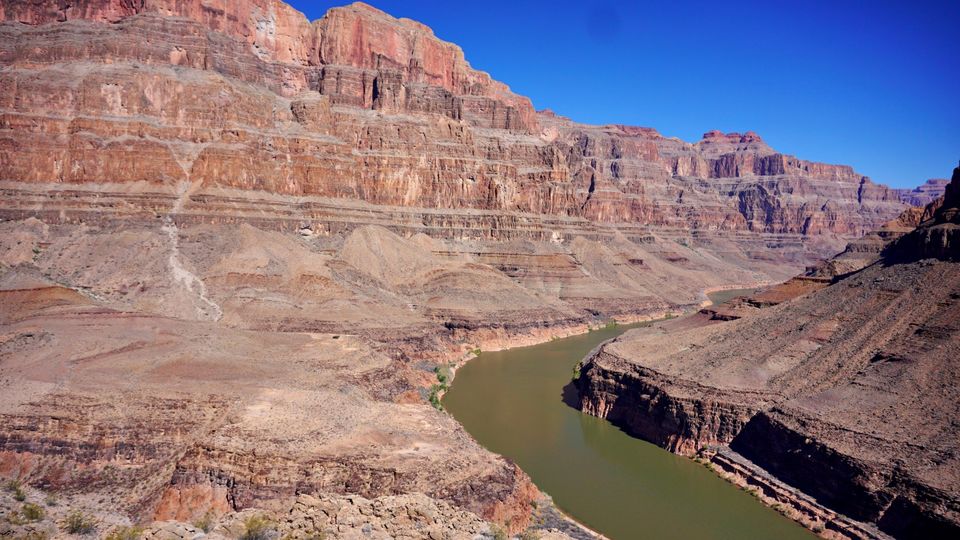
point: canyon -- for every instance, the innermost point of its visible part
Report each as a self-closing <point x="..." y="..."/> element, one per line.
<point x="236" y="245"/>
<point x="845" y="390"/>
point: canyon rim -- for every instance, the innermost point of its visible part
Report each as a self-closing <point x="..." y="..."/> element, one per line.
<point x="237" y="247"/>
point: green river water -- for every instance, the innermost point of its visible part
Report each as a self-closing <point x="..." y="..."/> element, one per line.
<point x="511" y="402"/>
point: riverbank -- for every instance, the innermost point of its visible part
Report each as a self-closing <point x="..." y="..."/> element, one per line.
<point x="682" y="387"/>
<point x="511" y="402"/>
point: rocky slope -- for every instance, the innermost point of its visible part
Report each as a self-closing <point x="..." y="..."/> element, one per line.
<point x="236" y="243"/>
<point x="848" y="393"/>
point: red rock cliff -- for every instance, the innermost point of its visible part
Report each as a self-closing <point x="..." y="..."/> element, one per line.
<point x="362" y="105"/>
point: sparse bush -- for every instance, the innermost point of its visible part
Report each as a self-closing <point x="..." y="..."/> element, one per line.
<point x="435" y="397"/>
<point x="32" y="512"/>
<point x="441" y="376"/>
<point x="34" y="535"/>
<point x="498" y="533"/>
<point x="50" y="500"/>
<point x="79" y="523"/>
<point x="257" y="528"/>
<point x="204" y="523"/>
<point x="125" y="533"/>
<point x="529" y="535"/>
<point x="576" y="371"/>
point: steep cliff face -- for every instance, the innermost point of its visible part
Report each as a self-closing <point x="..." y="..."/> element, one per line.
<point x="938" y="235"/>
<point x="724" y="182"/>
<point x="925" y="193"/>
<point x="848" y="393"/>
<point x="219" y="96"/>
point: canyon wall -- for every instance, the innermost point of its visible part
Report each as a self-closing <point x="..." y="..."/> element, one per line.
<point x="846" y="392"/>
<point x="360" y="105"/>
<point x="245" y="240"/>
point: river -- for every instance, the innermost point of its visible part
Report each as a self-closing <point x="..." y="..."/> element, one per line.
<point x="511" y="402"/>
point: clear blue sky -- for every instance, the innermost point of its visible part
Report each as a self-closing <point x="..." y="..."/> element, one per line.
<point x="873" y="84"/>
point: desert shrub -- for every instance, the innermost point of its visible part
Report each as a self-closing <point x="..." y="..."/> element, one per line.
<point x="257" y="528"/>
<point x="14" y="486"/>
<point x="34" y="535"/>
<point x="575" y="374"/>
<point x="441" y="376"/>
<point x="125" y="533"/>
<point x="50" y="500"/>
<point x="498" y="533"/>
<point x="435" y="397"/>
<point x="530" y="535"/>
<point x="79" y="523"/>
<point x="204" y="523"/>
<point x="32" y="512"/>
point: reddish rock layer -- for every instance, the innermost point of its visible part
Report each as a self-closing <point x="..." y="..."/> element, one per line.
<point x="364" y="106"/>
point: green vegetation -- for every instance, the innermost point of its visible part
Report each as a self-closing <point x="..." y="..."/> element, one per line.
<point x="576" y="371"/>
<point x="32" y="512"/>
<point x="476" y="352"/>
<point x="443" y="377"/>
<point x="257" y="528"/>
<point x="529" y="534"/>
<point x="125" y="533"/>
<point x="79" y="523"/>
<point x="443" y="374"/>
<point x="15" y="487"/>
<point x="435" y="396"/>
<point x="498" y="533"/>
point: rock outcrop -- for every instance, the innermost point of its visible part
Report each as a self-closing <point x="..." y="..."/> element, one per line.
<point x="925" y="193"/>
<point x="32" y="513"/>
<point x="847" y="392"/>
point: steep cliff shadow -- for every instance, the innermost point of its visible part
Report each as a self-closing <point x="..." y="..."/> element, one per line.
<point x="570" y="395"/>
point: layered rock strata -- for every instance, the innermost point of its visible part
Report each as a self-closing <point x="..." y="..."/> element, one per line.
<point x="359" y="105"/>
<point x="847" y="393"/>
<point x="236" y="243"/>
<point x="925" y="193"/>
